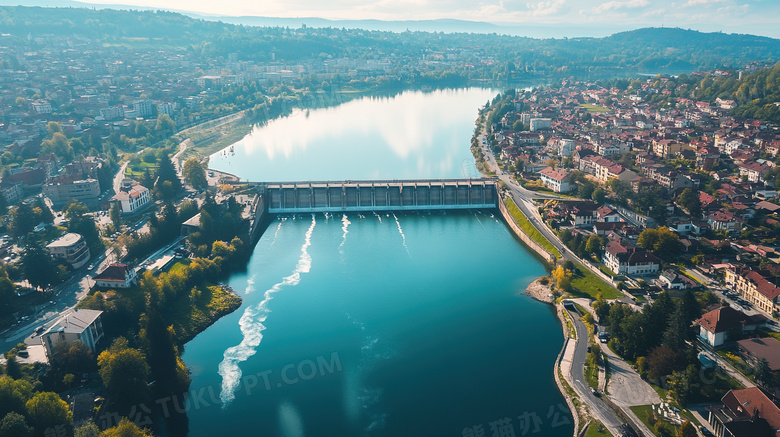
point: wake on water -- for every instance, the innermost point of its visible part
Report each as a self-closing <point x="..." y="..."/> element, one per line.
<point x="401" y="231"/>
<point x="344" y="228"/>
<point x="251" y="324"/>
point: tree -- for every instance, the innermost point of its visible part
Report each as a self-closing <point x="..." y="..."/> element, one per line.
<point x="562" y="278"/>
<point x="194" y="173"/>
<point x="594" y="244"/>
<point x="687" y="429"/>
<point x="89" y="429"/>
<point x="126" y="428"/>
<point x="39" y="267"/>
<point x="165" y="123"/>
<point x="13" y="425"/>
<point x="187" y="209"/>
<point x="124" y="372"/>
<point x="48" y="411"/>
<point x="14" y="394"/>
<point x="764" y="376"/>
<point x="83" y="224"/>
<point x="689" y="199"/>
<point x="22" y="220"/>
<point x="660" y="241"/>
<point x="116" y="216"/>
<point x="166" y="173"/>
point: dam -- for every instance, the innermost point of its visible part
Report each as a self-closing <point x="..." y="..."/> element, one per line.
<point x="367" y="196"/>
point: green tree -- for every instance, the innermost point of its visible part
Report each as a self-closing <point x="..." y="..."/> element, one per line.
<point x="166" y="173"/>
<point x="687" y="430"/>
<point x="14" y="394"/>
<point x="116" y="216"/>
<point x="165" y="123"/>
<point x="126" y="428"/>
<point x="194" y="173"/>
<point x="124" y="372"/>
<point x="22" y="220"/>
<point x="660" y="241"/>
<point x="88" y="429"/>
<point x="594" y="244"/>
<point x="48" y="411"/>
<point x="80" y="222"/>
<point x="764" y="376"/>
<point x="13" y="425"/>
<point x="53" y="127"/>
<point x="187" y="209"/>
<point x="39" y="267"/>
<point x="689" y="199"/>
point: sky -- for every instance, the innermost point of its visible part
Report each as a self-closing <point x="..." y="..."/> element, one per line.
<point x="761" y="17"/>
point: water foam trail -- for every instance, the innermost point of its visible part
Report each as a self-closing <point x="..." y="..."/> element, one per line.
<point x="277" y="232"/>
<point x="401" y="231"/>
<point x="476" y="214"/>
<point x="250" y="285"/>
<point x="252" y="327"/>
<point x="379" y="217"/>
<point x="344" y="228"/>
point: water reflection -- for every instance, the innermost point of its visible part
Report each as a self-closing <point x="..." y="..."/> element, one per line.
<point x="410" y="135"/>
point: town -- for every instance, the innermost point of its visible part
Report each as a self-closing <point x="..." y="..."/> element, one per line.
<point x="653" y="200"/>
<point x="666" y="198"/>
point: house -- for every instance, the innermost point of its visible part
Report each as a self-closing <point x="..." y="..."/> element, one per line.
<point x="715" y="325"/>
<point x="723" y="220"/>
<point x="71" y="248"/>
<point x="746" y="412"/>
<point x="753" y="170"/>
<point x="673" y="280"/>
<point x="131" y="197"/>
<point x="556" y="179"/>
<point x="191" y="225"/>
<point x="83" y="325"/>
<point x="116" y="276"/>
<point x="607" y="214"/>
<point x="757" y="349"/>
<point x="625" y="259"/>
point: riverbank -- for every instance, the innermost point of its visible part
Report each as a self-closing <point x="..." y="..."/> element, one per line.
<point x="540" y="291"/>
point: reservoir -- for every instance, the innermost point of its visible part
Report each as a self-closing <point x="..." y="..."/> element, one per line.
<point x="378" y="324"/>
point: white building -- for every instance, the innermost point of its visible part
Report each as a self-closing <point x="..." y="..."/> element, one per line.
<point x="131" y="197"/>
<point x="62" y="190"/>
<point x="566" y="147"/>
<point x="116" y="276"/>
<point x="83" y="325"/>
<point x="538" y="124"/>
<point x="42" y="107"/>
<point x="71" y="248"/>
<point x="556" y="179"/>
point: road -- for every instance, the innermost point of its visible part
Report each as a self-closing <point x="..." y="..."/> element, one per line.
<point x="598" y="407"/>
<point x="524" y="199"/>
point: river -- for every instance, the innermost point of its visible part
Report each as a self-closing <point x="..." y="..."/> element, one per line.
<point x="378" y="324"/>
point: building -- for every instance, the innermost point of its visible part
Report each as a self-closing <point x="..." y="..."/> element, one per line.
<point x="143" y="108"/>
<point x="71" y="248"/>
<point x="566" y="147"/>
<point x="723" y="220"/>
<point x="673" y="280"/>
<point x="625" y="259"/>
<point x="42" y="107"/>
<point x="747" y="412"/>
<point x="714" y="326"/>
<point x="556" y="179"/>
<point x="757" y="349"/>
<point x="116" y="276"/>
<point x="537" y="124"/>
<point x="62" y="190"/>
<point x="131" y="197"/>
<point x="83" y="325"/>
<point x="754" y="288"/>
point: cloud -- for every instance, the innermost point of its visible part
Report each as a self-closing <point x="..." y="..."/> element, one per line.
<point x="702" y="2"/>
<point x="551" y="7"/>
<point x="616" y="5"/>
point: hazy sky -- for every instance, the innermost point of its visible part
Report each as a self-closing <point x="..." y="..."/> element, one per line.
<point x="740" y="16"/>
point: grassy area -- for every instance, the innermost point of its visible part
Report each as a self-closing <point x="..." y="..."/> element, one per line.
<point x="585" y="284"/>
<point x="528" y="228"/>
<point x="569" y="326"/>
<point x="593" y="108"/>
<point x="606" y="271"/>
<point x="596" y="429"/>
<point x="180" y="265"/>
<point x="209" y="303"/>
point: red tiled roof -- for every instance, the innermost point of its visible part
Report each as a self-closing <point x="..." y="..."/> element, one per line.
<point x="114" y="272"/>
<point x="722" y="319"/>
<point x="745" y="403"/>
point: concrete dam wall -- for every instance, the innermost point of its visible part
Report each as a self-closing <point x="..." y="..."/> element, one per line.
<point x="407" y="195"/>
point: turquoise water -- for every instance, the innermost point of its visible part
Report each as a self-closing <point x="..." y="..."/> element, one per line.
<point x="381" y="325"/>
